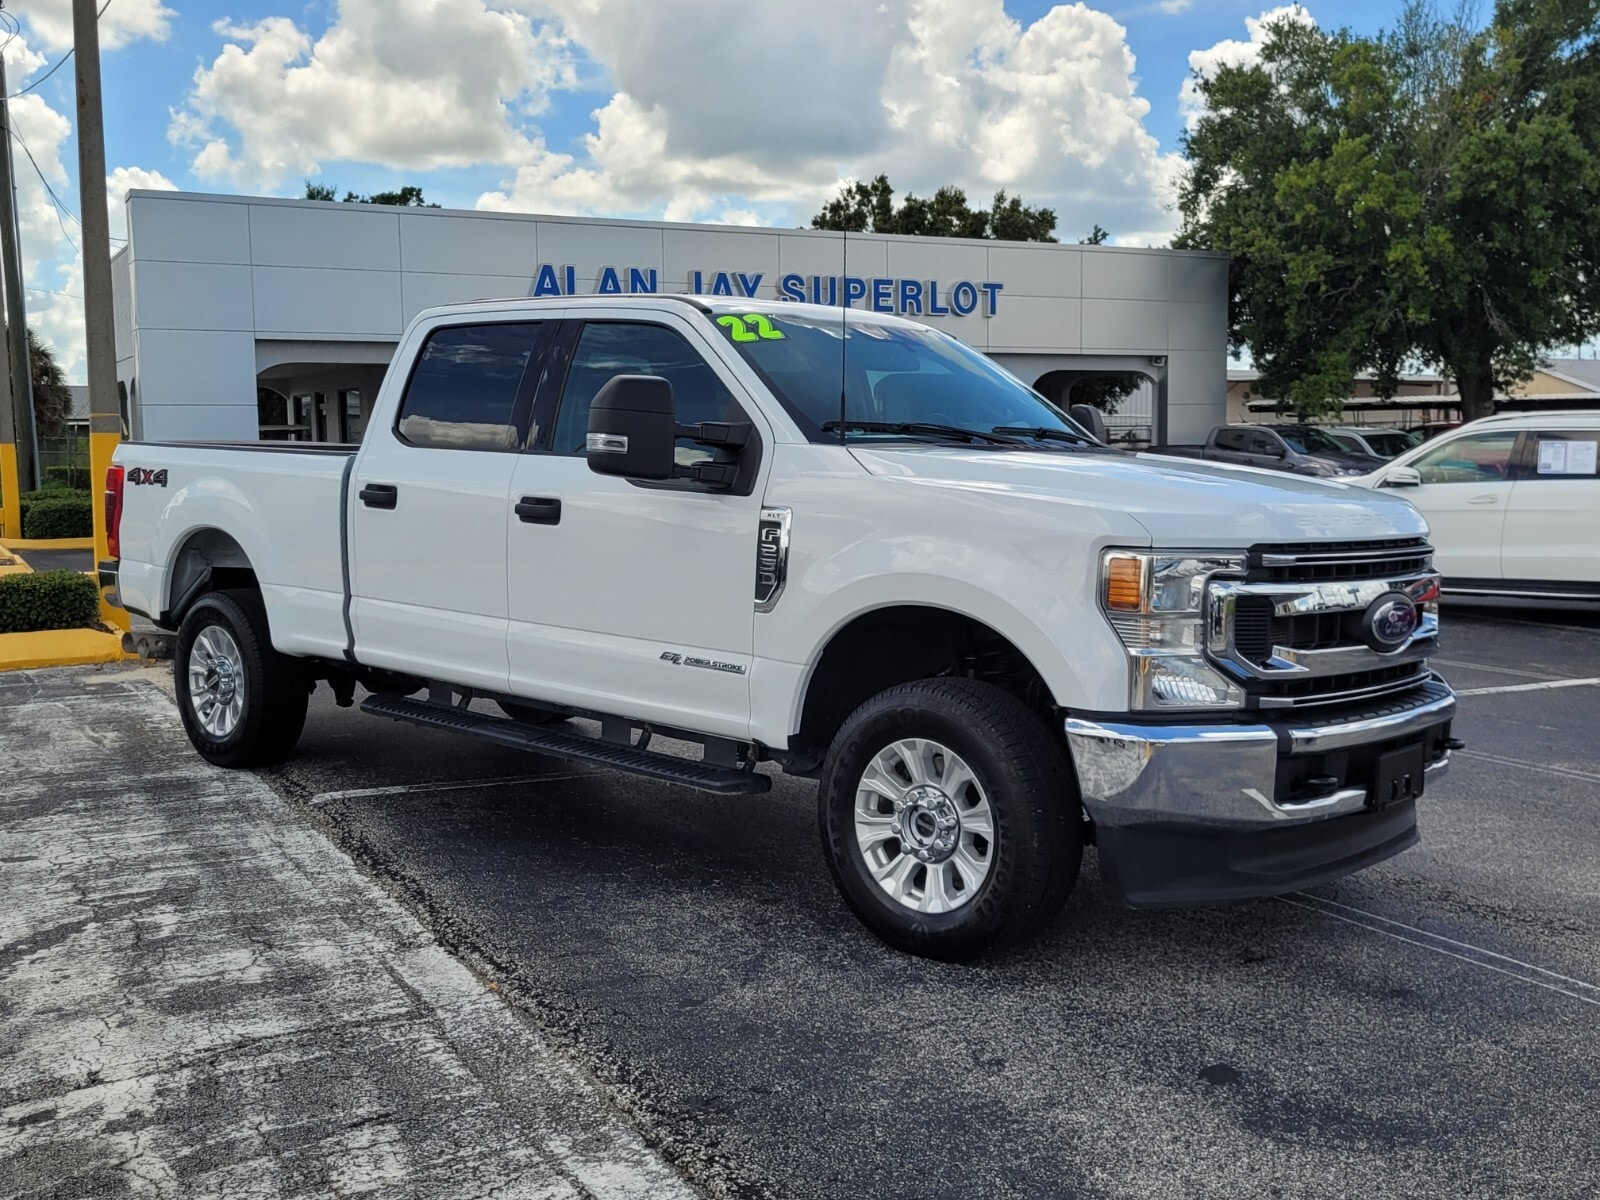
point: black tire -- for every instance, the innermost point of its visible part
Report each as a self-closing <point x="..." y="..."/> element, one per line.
<point x="528" y="714"/>
<point x="275" y="688"/>
<point x="1031" y="793"/>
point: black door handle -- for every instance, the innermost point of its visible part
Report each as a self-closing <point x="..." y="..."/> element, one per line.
<point x="538" y="510"/>
<point x="380" y="495"/>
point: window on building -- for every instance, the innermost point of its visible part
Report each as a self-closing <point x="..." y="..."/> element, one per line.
<point x="464" y="392"/>
<point x="608" y="349"/>
<point x="355" y="424"/>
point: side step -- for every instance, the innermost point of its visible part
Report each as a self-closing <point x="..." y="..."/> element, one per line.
<point x="559" y="743"/>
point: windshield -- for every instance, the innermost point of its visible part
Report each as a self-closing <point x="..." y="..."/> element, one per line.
<point x="1387" y="445"/>
<point x="1311" y="441"/>
<point x="890" y="375"/>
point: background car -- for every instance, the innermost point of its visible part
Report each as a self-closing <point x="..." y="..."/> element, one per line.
<point x="1380" y="443"/>
<point x="1512" y="502"/>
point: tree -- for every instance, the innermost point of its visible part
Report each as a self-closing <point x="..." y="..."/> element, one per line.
<point x="407" y="197"/>
<point x="1430" y="195"/>
<point x="869" y="208"/>
<point x="1097" y="237"/>
<point x="52" y="398"/>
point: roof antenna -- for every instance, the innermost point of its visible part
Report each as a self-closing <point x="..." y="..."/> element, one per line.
<point x="844" y="324"/>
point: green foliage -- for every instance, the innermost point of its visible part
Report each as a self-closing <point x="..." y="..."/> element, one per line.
<point x="1105" y="391"/>
<point x="72" y="478"/>
<point x="406" y="197"/>
<point x="1429" y="195"/>
<point x="1097" y="237"/>
<point x="57" y="514"/>
<point x="869" y="207"/>
<point x="52" y="400"/>
<point x="48" y="600"/>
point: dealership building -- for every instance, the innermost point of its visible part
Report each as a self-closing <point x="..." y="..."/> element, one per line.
<point x="242" y="317"/>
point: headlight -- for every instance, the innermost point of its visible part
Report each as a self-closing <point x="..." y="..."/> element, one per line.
<point x="1154" y="601"/>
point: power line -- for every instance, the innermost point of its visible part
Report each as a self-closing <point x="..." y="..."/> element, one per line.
<point x="59" y="62"/>
<point x="60" y="207"/>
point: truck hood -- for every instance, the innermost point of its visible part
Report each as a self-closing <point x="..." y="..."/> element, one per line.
<point x="1180" y="502"/>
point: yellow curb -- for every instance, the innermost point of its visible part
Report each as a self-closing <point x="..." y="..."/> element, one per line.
<point x="59" y="648"/>
<point x="86" y="543"/>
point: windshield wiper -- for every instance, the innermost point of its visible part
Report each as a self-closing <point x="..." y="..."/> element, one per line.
<point x="1046" y="434"/>
<point x="928" y="428"/>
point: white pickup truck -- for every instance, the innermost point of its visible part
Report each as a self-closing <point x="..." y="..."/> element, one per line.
<point x="841" y="543"/>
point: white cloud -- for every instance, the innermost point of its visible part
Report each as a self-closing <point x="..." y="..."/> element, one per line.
<point x="762" y="108"/>
<point x="1232" y="53"/>
<point x="124" y="22"/>
<point x="118" y="184"/>
<point x="414" y="84"/>
<point x="1174" y="7"/>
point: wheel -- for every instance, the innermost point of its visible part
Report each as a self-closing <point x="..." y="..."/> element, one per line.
<point x="950" y="818"/>
<point x="243" y="704"/>
<point x="528" y="714"/>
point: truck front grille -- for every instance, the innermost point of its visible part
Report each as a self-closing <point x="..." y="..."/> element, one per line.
<point x="1293" y="630"/>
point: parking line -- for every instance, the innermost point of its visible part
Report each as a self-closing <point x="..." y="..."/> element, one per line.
<point x="1531" y="766"/>
<point x="1530" y="687"/>
<point x="456" y="785"/>
<point x="1528" y="973"/>
<point x="1472" y="666"/>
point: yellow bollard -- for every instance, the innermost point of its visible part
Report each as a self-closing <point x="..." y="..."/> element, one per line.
<point x="101" y="447"/>
<point x="10" y="496"/>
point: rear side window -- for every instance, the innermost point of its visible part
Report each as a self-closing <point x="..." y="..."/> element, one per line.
<point x="1262" y="443"/>
<point x="467" y="391"/>
<point x="1564" y="454"/>
<point x="1231" y="439"/>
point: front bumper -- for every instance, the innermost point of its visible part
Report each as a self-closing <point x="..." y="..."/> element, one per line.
<point x="1196" y="814"/>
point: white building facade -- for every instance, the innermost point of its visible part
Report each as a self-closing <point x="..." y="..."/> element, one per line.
<point x="243" y="317"/>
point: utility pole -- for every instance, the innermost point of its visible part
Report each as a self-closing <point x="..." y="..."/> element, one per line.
<point x="25" y="439"/>
<point x="105" y="414"/>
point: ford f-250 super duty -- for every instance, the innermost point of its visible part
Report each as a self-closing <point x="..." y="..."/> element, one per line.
<point x="842" y="543"/>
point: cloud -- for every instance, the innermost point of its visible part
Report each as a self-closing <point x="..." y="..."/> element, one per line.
<point x="414" y="84"/>
<point x="125" y="21"/>
<point x="1174" y="7"/>
<point x="118" y="184"/>
<point x="1232" y="53"/>
<point x="929" y="91"/>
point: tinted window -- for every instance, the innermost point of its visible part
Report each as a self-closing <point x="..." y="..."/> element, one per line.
<point x="1567" y="454"/>
<point x="1388" y="444"/>
<point x="463" y="393"/>
<point x="1232" y="439"/>
<point x="1264" y="443"/>
<point x="1476" y="458"/>
<point x="1312" y="441"/>
<point x="628" y="348"/>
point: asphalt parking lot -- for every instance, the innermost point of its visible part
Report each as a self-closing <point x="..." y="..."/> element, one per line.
<point x="1426" y="1028"/>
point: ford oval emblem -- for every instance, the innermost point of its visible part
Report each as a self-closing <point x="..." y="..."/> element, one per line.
<point x="1389" y="621"/>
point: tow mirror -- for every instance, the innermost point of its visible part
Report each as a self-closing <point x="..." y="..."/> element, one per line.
<point x="1091" y="419"/>
<point x="1402" y="477"/>
<point x="631" y="428"/>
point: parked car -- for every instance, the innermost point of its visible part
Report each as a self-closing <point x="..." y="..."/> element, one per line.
<point x="1512" y="502"/>
<point x="988" y="636"/>
<point x="1379" y="443"/>
<point x="1303" y="449"/>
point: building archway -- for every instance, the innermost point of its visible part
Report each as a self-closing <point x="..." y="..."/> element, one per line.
<point x="1126" y="398"/>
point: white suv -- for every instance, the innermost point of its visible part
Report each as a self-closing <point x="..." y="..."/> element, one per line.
<point x="1512" y="502"/>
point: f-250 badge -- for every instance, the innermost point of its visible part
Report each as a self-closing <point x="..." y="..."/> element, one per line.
<point x="139" y="476"/>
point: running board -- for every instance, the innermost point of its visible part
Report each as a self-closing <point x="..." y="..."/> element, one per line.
<point x="558" y="743"/>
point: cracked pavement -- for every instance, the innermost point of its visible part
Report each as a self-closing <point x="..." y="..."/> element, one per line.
<point x="200" y="996"/>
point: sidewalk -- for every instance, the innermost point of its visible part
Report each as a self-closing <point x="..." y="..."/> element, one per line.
<point x="201" y="997"/>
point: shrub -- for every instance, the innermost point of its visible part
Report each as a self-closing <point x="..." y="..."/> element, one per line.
<point x="73" y="478"/>
<point x="58" y="515"/>
<point x="29" y="499"/>
<point x="48" y="600"/>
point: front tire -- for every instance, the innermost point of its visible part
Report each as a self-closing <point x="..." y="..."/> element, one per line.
<point x="243" y="704"/>
<point x="950" y="818"/>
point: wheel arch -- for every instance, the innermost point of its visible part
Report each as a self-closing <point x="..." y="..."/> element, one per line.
<point x="207" y="559"/>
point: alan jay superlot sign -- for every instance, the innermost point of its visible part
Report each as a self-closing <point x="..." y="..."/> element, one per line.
<point x="907" y="297"/>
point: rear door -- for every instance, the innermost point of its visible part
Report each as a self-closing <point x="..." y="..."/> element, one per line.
<point x="1552" y="528"/>
<point x="429" y="506"/>
<point x="1266" y="449"/>
<point x="1465" y="492"/>
<point x="632" y="598"/>
<point x="1228" y="445"/>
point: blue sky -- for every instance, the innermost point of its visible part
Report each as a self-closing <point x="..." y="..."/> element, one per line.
<point x="711" y="110"/>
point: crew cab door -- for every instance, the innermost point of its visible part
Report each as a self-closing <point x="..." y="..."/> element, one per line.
<point x="1552" y="529"/>
<point x="1466" y="484"/>
<point x="631" y="598"/>
<point x="429" y="505"/>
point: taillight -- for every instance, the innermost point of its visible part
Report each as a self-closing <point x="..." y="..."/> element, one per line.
<point x="114" y="511"/>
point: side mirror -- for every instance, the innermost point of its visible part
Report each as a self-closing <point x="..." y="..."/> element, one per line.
<point x="1091" y="419"/>
<point x="632" y="426"/>
<point x="1402" y="477"/>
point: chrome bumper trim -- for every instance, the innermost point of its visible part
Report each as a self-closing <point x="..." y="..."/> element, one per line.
<point x="1225" y="776"/>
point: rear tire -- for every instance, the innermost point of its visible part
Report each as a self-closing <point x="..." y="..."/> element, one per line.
<point x="243" y="704"/>
<point x="950" y="818"/>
